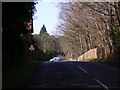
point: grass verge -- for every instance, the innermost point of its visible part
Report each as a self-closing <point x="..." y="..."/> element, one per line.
<point x="114" y="63"/>
<point x="14" y="77"/>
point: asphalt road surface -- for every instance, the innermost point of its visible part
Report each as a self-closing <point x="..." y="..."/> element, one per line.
<point x="71" y="74"/>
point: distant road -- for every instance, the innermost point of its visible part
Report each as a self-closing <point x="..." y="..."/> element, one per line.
<point x="72" y="74"/>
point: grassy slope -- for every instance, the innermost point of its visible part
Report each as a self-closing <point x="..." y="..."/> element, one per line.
<point x="114" y="63"/>
<point x="13" y="78"/>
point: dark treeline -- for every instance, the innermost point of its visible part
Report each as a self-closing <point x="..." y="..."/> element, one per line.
<point x="14" y="16"/>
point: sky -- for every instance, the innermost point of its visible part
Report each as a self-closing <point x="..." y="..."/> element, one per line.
<point x="47" y="14"/>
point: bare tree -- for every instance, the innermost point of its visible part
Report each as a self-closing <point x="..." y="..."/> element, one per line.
<point x="90" y="25"/>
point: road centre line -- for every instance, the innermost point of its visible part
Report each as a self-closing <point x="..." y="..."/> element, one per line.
<point x="82" y="69"/>
<point x="94" y="79"/>
<point x="102" y="84"/>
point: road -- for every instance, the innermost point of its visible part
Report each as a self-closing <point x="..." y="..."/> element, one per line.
<point x="72" y="74"/>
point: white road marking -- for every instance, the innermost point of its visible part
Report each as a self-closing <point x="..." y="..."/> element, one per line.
<point x="102" y="84"/>
<point x="94" y="79"/>
<point x="82" y="69"/>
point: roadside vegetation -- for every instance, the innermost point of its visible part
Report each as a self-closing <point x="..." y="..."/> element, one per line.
<point x="112" y="63"/>
<point x="88" y="25"/>
<point x="14" y="77"/>
<point x="15" y="65"/>
<point x="49" y="44"/>
<point x="108" y="62"/>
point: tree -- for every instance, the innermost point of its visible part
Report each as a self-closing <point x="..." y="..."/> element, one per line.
<point x="44" y="38"/>
<point x="90" y="25"/>
<point x="43" y="30"/>
<point x="48" y="44"/>
<point x="14" y="15"/>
